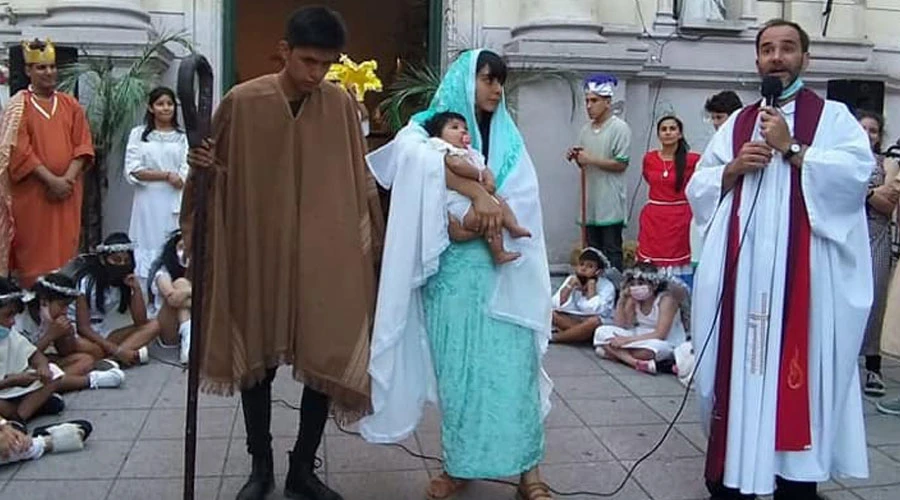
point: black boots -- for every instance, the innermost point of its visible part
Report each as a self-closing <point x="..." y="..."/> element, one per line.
<point x="256" y="404"/>
<point x="262" y="479"/>
<point x="303" y="484"/>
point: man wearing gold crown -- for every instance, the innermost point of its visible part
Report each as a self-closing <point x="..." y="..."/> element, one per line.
<point x="45" y="142"/>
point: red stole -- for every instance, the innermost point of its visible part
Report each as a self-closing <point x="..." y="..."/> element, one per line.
<point x="792" y="419"/>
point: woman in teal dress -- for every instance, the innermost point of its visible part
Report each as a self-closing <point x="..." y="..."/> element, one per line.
<point x="484" y="327"/>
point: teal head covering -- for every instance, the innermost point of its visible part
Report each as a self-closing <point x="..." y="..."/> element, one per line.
<point x="457" y="93"/>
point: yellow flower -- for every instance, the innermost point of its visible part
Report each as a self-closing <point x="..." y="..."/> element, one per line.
<point x="359" y="77"/>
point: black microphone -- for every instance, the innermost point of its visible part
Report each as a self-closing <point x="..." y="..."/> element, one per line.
<point x="771" y="89"/>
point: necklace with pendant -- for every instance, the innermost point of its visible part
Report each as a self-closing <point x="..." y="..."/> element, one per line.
<point x="666" y="168"/>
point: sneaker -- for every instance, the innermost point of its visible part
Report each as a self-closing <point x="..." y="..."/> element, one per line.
<point x="890" y="407"/>
<point x="143" y="355"/>
<point x="53" y="406"/>
<point x="108" y="379"/>
<point x="185" y="332"/>
<point x="646" y="367"/>
<point x="874" y="385"/>
<point x="106" y="364"/>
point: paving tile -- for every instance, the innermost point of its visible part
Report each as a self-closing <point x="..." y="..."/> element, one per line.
<point x="561" y="415"/>
<point x="695" y="434"/>
<point x="674" y="479"/>
<point x="8" y="471"/>
<point x="285" y="387"/>
<point x="592" y="387"/>
<point x="881" y="493"/>
<point x="892" y="374"/>
<point x="564" y="361"/>
<point x="54" y="490"/>
<point x="892" y="451"/>
<point x="174" y="395"/>
<point x="668" y="406"/>
<point x="353" y="454"/>
<point x="430" y="444"/>
<point x="882" y="471"/>
<point x="164" y="458"/>
<point x="141" y="489"/>
<point x="576" y="445"/>
<point x="842" y="495"/>
<point x="169" y="423"/>
<point x="98" y="460"/>
<point x="633" y="442"/>
<point x="642" y="385"/>
<point x="614" y="368"/>
<point x="882" y="430"/>
<point x="142" y="386"/>
<point x="623" y="411"/>
<point x="482" y="490"/>
<point x="380" y="485"/>
<point x="600" y="478"/>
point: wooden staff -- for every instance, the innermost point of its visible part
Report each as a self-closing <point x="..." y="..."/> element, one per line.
<point x="197" y="117"/>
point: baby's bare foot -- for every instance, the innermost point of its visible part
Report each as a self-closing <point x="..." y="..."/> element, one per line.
<point x="506" y="257"/>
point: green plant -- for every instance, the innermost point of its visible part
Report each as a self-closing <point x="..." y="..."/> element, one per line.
<point x="115" y="96"/>
<point x="416" y="85"/>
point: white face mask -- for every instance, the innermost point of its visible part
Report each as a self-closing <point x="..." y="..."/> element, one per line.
<point x="640" y="292"/>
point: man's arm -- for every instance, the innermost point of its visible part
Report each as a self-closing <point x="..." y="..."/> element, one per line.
<point x="603" y="164"/>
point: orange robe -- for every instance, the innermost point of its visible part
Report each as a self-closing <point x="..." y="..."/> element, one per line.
<point x="46" y="230"/>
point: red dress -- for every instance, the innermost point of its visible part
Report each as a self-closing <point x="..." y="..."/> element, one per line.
<point x="664" y="238"/>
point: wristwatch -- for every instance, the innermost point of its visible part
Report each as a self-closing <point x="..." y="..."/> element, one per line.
<point x="794" y="149"/>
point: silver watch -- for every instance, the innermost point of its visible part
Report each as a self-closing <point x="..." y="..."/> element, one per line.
<point x="794" y="149"/>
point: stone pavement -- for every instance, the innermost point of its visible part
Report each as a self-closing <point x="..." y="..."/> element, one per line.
<point x="605" y="416"/>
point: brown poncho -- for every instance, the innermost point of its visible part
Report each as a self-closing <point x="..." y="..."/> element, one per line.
<point x="293" y="230"/>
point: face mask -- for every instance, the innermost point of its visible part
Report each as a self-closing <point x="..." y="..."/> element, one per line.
<point x="640" y="292"/>
<point x="117" y="274"/>
<point x="4" y="332"/>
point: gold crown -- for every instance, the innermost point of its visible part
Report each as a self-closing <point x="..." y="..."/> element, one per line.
<point x="47" y="55"/>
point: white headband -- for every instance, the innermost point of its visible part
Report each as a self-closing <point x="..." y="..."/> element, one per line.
<point x="68" y="292"/>
<point x="598" y="253"/>
<point x="12" y="296"/>
<point x="605" y="89"/>
<point x="115" y="248"/>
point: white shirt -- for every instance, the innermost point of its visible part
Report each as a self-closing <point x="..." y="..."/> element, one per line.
<point x="602" y="304"/>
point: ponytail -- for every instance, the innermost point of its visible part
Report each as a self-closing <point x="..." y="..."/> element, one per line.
<point x="680" y="164"/>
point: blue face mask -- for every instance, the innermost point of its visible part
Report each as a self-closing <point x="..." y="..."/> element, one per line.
<point x="4" y="332"/>
<point x="792" y="90"/>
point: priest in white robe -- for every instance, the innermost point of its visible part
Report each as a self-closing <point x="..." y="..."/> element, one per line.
<point x="783" y="291"/>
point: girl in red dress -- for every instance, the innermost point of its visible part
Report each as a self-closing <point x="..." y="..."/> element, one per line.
<point x="664" y="236"/>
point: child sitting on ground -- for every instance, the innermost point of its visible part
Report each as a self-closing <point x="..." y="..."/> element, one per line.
<point x="16" y="445"/>
<point x="28" y="381"/>
<point x="111" y="311"/>
<point x="170" y="295"/>
<point x="45" y="323"/>
<point x="450" y="134"/>
<point x="585" y="300"/>
<point x="649" y="324"/>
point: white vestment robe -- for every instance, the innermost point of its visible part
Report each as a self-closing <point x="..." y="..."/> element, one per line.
<point x="834" y="178"/>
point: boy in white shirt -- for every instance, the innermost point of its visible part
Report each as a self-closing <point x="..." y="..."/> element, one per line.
<point x="585" y="300"/>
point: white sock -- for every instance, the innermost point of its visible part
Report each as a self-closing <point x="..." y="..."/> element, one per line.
<point x="184" y="330"/>
<point x="108" y="379"/>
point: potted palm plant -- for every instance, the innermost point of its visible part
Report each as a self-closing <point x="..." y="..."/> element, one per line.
<point x="115" y="97"/>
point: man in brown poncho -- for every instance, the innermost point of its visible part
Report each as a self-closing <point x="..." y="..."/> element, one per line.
<point x="294" y="227"/>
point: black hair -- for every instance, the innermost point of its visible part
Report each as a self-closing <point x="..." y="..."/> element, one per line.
<point x="316" y="26"/>
<point x="725" y="101"/>
<point x="168" y="260"/>
<point x="592" y="257"/>
<point x="681" y="151"/>
<point x="879" y="119"/>
<point x="497" y="69"/>
<point x="435" y="125"/>
<point x="774" y="23"/>
<point x="93" y="267"/>
<point x="149" y="120"/>
<point x="42" y="292"/>
<point x="9" y="286"/>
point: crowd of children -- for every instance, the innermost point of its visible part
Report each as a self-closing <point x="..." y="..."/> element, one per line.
<point x="76" y="329"/>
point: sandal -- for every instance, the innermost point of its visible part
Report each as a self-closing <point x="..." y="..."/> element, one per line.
<point x="534" y="491"/>
<point x="444" y="487"/>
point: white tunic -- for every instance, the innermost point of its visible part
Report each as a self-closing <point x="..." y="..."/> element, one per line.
<point x="834" y="179"/>
<point x="107" y="322"/>
<point x="601" y="304"/>
<point x="154" y="212"/>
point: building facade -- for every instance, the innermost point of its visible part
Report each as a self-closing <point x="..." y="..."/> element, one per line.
<point x="666" y="63"/>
